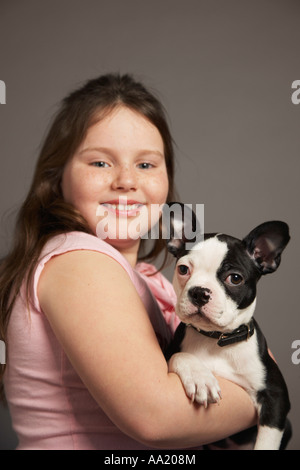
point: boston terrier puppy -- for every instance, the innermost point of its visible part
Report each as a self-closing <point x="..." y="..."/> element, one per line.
<point x="215" y="282"/>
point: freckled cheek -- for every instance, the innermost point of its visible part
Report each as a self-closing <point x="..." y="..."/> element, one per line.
<point x="158" y="188"/>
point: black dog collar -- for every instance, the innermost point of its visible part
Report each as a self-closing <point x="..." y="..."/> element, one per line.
<point x="242" y="333"/>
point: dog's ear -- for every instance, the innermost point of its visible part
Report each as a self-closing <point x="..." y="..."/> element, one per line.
<point x="180" y="226"/>
<point x="265" y="244"/>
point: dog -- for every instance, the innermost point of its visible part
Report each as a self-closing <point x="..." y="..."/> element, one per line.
<point x="215" y="281"/>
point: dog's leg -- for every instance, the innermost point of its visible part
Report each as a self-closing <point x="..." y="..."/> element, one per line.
<point x="273" y="407"/>
<point x="273" y="402"/>
<point x="268" y="438"/>
<point x="199" y="382"/>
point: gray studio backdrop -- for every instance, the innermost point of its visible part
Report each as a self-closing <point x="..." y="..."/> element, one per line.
<point x="224" y="71"/>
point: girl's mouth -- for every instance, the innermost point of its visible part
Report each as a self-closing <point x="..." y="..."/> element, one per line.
<point x="129" y="209"/>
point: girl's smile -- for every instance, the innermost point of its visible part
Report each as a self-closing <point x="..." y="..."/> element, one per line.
<point x="123" y="207"/>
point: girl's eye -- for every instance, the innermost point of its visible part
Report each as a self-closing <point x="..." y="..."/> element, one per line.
<point x="145" y="166"/>
<point x="183" y="270"/>
<point x="234" y="279"/>
<point x="100" y="164"/>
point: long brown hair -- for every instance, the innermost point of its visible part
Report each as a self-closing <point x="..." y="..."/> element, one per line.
<point x="44" y="212"/>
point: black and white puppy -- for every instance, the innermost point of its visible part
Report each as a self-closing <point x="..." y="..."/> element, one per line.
<point x="215" y="282"/>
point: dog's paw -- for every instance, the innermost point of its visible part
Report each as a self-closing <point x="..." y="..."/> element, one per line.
<point x="199" y="382"/>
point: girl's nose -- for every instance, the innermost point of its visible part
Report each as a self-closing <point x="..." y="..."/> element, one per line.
<point x="125" y="179"/>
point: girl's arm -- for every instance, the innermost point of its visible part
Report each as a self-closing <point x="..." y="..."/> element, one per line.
<point x="102" y="324"/>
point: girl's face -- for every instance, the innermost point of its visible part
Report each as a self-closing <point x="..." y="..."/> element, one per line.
<point x="117" y="176"/>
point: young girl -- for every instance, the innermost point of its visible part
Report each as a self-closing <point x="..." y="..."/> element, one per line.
<point x="84" y="320"/>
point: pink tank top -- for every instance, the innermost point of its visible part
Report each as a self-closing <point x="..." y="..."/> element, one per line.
<point x="49" y="405"/>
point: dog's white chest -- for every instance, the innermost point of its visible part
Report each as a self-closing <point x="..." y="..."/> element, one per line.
<point x="239" y="362"/>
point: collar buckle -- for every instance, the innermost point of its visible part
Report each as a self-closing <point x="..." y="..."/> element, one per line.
<point x="249" y="331"/>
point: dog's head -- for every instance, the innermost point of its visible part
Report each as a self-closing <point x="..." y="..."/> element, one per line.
<point x="215" y="280"/>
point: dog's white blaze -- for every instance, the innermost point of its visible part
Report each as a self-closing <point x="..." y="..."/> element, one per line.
<point x="210" y="255"/>
<point x="205" y="265"/>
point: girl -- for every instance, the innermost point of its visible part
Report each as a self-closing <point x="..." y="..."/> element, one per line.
<point x="85" y="321"/>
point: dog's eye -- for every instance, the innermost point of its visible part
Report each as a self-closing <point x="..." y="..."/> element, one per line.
<point x="234" y="279"/>
<point x="183" y="270"/>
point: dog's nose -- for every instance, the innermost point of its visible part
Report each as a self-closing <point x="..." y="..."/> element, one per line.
<point x="199" y="295"/>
